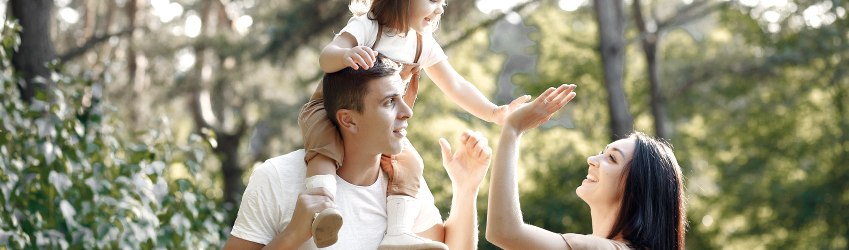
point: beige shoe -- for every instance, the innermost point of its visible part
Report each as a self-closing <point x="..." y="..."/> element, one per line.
<point x="401" y="213"/>
<point x="325" y="227"/>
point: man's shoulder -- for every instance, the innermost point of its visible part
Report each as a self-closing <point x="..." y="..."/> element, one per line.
<point x="290" y="165"/>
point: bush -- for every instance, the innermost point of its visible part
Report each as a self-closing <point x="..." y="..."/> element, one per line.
<point x="70" y="177"/>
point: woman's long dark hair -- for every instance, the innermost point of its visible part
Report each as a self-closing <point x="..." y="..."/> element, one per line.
<point x="653" y="214"/>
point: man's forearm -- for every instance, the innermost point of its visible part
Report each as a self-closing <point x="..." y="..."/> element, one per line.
<point x="461" y="227"/>
<point x="286" y="240"/>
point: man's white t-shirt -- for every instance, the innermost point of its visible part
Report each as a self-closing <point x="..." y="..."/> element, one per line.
<point x="269" y="202"/>
<point x="399" y="48"/>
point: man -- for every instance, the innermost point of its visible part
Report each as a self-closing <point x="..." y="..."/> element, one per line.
<point x="277" y="210"/>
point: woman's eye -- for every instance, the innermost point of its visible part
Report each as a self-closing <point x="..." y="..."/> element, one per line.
<point x="612" y="159"/>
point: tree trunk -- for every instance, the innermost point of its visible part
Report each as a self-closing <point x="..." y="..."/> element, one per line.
<point x="36" y="47"/>
<point x="227" y="149"/>
<point x="650" y="40"/>
<point x="89" y="19"/>
<point x="611" y="30"/>
<point x="136" y="63"/>
<point x="658" y="99"/>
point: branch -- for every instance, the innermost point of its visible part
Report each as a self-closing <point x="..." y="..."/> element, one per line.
<point x="690" y="13"/>
<point x="94" y="41"/>
<point x="489" y="22"/>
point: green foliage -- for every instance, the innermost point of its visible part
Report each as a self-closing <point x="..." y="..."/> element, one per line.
<point x="70" y="177"/>
<point x="758" y="117"/>
<point x="762" y="133"/>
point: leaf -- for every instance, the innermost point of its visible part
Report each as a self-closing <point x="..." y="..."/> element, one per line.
<point x="69" y="213"/>
<point x="60" y="181"/>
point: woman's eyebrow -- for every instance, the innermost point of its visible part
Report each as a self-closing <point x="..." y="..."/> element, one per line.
<point x="620" y="152"/>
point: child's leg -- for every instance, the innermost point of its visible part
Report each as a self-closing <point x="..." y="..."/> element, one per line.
<point x="323" y="149"/>
<point x="404" y="171"/>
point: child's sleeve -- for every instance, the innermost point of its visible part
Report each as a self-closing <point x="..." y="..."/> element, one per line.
<point x="362" y="28"/>
<point x="432" y="53"/>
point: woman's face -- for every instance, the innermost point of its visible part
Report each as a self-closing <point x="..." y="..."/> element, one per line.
<point x="604" y="183"/>
<point x="424" y="14"/>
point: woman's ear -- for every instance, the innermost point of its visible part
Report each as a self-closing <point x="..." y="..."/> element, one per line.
<point x="346" y="120"/>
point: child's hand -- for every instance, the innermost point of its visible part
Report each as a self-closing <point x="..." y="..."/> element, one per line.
<point x="501" y="113"/>
<point x="360" y="56"/>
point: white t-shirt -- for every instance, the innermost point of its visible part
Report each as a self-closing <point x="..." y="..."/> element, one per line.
<point x="269" y="202"/>
<point x="402" y="49"/>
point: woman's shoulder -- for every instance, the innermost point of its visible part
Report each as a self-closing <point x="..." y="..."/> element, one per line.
<point x="583" y="241"/>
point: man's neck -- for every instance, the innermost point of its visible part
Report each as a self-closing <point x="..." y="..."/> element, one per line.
<point x="359" y="168"/>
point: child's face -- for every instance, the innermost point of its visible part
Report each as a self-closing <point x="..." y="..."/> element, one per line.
<point x="425" y="14"/>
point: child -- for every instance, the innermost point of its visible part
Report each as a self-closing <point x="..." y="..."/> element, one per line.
<point x="400" y="30"/>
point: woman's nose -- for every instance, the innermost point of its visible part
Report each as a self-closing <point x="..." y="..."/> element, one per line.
<point x="591" y="161"/>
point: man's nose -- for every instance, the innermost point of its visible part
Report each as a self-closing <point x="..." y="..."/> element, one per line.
<point x="404" y="111"/>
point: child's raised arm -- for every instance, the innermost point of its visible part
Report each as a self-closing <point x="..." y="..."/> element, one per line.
<point x="343" y="52"/>
<point x="466" y="95"/>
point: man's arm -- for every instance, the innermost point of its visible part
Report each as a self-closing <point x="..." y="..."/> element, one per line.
<point x="466" y="169"/>
<point x="310" y="202"/>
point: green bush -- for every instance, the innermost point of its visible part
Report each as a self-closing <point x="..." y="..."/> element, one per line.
<point x="70" y="177"/>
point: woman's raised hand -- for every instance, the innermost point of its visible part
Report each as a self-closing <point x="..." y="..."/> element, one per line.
<point x="540" y="110"/>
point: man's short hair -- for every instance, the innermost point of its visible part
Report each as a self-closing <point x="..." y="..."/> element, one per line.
<point x="346" y="89"/>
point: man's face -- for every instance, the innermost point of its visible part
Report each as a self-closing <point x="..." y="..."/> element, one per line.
<point x="383" y="122"/>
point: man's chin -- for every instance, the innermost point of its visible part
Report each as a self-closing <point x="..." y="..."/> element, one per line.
<point x="397" y="148"/>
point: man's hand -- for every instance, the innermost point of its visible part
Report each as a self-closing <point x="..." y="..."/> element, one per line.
<point x="310" y="202"/>
<point x="467" y="167"/>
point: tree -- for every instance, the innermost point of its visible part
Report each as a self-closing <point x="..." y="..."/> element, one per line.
<point x="36" y="47"/>
<point x="610" y="15"/>
<point x="651" y="40"/>
<point x="70" y="179"/>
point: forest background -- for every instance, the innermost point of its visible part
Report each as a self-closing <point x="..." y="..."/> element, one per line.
<point x="136" y="123"/>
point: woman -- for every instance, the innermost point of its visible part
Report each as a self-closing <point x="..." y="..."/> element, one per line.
<point x="633" y="187"/>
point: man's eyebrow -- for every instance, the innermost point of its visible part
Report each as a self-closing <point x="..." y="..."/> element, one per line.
<point x="390" y="96"/>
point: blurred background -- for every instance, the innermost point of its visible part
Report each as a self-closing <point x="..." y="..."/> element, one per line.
<point x="136" y="123"/>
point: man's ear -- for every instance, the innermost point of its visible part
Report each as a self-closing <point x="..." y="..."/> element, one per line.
<point x="347" y="120"/>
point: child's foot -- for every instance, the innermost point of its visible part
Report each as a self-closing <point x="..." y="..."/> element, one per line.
<point x="401" y="212"/>
<point x="325" y="227"/>
<point x="409" y="241"/>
